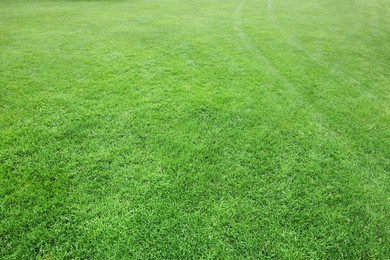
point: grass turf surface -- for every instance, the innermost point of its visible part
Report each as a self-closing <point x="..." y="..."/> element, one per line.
<point x="198" y="128"/>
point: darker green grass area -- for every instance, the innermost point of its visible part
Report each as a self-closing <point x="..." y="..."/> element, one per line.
<point x="194" y="129"/>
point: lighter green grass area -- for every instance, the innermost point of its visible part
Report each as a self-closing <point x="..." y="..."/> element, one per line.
<point x="178" y="129"/>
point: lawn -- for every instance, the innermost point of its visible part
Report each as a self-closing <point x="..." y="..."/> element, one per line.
<point x="177" y="129"/>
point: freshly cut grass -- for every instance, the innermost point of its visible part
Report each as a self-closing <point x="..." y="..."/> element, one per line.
<point x="194" y="129"/>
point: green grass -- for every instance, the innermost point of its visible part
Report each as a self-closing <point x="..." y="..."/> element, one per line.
<point x="195" y="129"/>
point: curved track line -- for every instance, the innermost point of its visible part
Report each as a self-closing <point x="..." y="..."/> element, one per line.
<point x="318" y="117"/>
<point x="296" y="96"/>
<point x="293" y="41"/>
<point x="247" y="43"/>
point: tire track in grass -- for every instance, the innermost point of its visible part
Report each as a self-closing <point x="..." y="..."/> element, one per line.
<point x="237" y="26"/>
<point x="320" y="120"/>
<point x="340" y="75"/>
<point x="332" y="69"/>
<point x="317" y="118"/>
<point x="257" y="54"/>
<point x="294" y="91"/>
